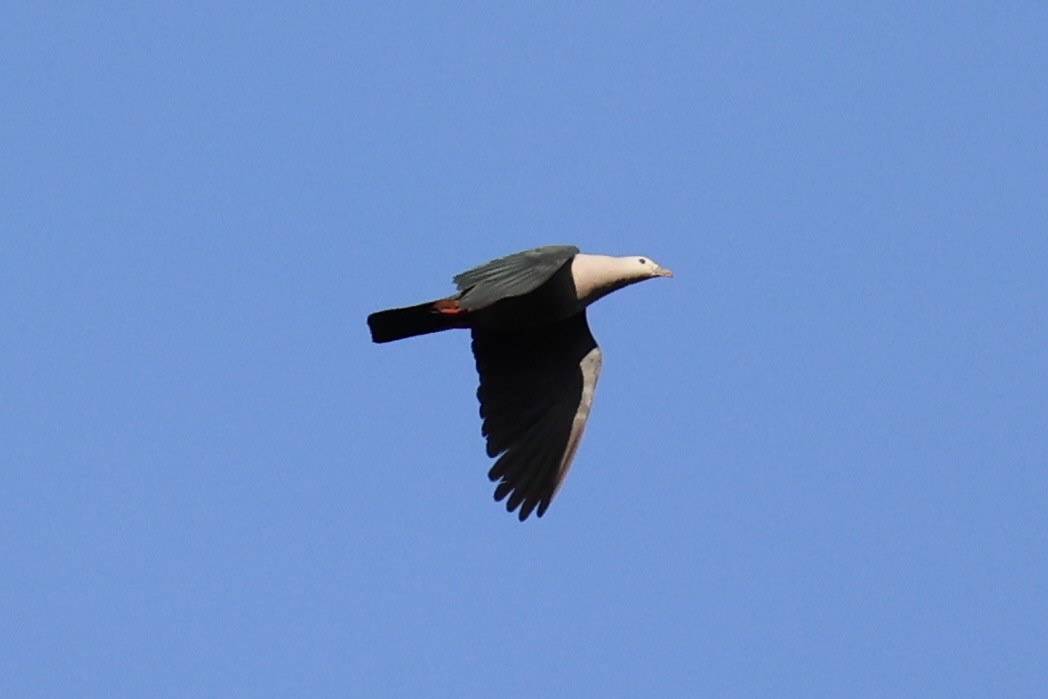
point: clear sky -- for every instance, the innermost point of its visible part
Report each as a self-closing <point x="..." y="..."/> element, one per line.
<point x="816" y="462"/>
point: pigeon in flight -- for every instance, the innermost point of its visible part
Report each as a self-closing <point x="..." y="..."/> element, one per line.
<point x="538" y="362"/>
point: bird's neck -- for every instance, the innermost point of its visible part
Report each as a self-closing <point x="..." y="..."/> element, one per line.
<point x="596" y="276"/>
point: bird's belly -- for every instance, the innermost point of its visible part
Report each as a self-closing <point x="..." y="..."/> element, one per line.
<point x="522" y="312"/>
<point x="547" y="304"/>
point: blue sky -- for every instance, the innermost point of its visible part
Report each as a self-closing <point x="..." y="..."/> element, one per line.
<point x="816" y="460"/>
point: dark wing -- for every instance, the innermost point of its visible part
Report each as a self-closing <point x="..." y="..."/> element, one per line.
<point x="536" y="387"/>
<point x="513" y="275"/>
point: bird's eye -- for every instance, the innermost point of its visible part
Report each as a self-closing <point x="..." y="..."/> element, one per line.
<point x="643" y="261"/>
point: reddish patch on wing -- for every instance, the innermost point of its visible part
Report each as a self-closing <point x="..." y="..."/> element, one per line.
<point x="447" y="307"/>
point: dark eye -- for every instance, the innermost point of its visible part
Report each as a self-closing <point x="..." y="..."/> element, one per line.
<point x="643" y="261"/>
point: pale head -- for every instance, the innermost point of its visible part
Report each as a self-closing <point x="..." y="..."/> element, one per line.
<point x="649" y="268"/>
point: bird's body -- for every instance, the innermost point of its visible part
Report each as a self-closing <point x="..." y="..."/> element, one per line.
<point x="538" y="362"/>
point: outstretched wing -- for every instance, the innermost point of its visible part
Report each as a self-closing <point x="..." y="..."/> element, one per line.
<point x="536" y="388"/>
<point x="513" y="275"/>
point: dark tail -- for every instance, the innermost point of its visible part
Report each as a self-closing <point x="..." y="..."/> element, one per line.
<point x="398" y="323"/>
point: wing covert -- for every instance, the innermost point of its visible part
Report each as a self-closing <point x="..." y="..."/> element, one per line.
<point x="513" y="275"/>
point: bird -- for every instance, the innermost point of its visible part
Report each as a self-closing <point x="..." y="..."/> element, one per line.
<point x="535" y="355"/>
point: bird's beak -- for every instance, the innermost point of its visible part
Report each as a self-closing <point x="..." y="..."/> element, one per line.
<point x="663" y="272"/>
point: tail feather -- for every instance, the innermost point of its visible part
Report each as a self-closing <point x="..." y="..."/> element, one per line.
<point x="399" y="323"/>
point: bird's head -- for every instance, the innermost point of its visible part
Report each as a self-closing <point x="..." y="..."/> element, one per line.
<point x="646" y="268"/>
